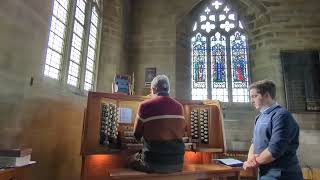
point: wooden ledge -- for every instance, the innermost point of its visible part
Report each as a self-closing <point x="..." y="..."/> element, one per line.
<point x="191" y="171"/>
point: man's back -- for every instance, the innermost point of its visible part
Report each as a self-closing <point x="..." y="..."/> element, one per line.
<point x="162" y="126"/>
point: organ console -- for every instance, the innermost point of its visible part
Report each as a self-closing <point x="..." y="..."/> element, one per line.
<point x="108" y="131"/>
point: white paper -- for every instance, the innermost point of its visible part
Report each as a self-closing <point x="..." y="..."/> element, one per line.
<point x="125" y="115"/>
<point x="230" y="162"/>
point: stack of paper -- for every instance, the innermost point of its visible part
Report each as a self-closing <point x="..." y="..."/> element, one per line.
<point x="15" y="157"/>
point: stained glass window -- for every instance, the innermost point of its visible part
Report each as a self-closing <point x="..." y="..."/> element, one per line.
<point x="199" y="67"/>
<point x="219" y="67"/>
<point x="225" y="62"/>
<point x="239" y="66"/>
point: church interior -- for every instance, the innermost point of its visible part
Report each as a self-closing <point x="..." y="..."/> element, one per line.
<point x="53" y="52"/>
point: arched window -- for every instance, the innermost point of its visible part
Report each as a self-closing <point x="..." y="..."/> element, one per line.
<point x="219" y="56"/>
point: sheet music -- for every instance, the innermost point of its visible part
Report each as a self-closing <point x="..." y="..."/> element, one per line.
<point x="125" y="115"/>
<point x="230" y="162"/>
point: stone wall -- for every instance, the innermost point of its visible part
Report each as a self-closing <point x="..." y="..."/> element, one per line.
<point x="36" y="112"/>
<point x="287" y="25"/>
<point x="40" y="112"/>
<point x="114" y="45"/>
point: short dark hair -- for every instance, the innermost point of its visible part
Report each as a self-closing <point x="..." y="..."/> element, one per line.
<point x="264" y="86"/>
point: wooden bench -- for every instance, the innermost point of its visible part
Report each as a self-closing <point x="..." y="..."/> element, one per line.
<point x="189" y="172"/>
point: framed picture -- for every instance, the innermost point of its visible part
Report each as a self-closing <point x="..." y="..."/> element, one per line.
<point x="121" y="84"/>
<point x="150" y="73"/>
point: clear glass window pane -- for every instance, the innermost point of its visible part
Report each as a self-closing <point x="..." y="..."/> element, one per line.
<point x="75" y="55"/>
<point x="89" y="76"/>
<point x="64" y="3"/>
<point x="82" y="5"/>
<point x="76" y="42"/>
<point x="57" y="27"/>
<point x="90" y="65"/>
<point x="73" y="81"/>
<point x="94" y="19"/>
<point x="51" y="72"/>
<point x="90" y="53"/>
<point x="53" y="62"/>
<point x="74" y="69"/>
<point x="60" y="12"/>
<point x="93" y="31"/>
<point x="79" y="15"/>
<point x="87" y="86"/>
<point x="55" y="42"/>
<point x="53" y="59"/>
<point x="92" y="41"/>
<point x="78" y="28"/>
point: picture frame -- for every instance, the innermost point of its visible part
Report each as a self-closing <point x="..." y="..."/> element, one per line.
<point x="122" y="84"/>
<point x="150" y="73"/>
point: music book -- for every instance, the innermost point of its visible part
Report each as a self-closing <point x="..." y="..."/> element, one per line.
<point x="14" y="161"/>
<point x="230" y="162"/>
<point x="20" y="152"/>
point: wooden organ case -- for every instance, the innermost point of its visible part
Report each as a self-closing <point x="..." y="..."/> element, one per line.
<point x="107" y="139"/>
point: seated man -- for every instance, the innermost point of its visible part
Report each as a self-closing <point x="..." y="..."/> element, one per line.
<point x="161" y="125"/>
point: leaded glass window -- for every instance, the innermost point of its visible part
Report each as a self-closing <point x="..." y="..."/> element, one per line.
<point x="199" y="66"/>
<point x="76" y="45"/>
<point x="57" y="32"/>
<point x="219" y="55"/>
<point x="92" y="50"/>
<point x="73" y="42"/>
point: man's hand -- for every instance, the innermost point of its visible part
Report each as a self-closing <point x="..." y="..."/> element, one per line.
<point x="251" y="163"/>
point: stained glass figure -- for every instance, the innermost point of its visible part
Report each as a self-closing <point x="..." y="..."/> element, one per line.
<point x="199" y="66"/>
<point x="218" y="67"/>
<point x="239" y="63"/>
<point x="218" y="60"/>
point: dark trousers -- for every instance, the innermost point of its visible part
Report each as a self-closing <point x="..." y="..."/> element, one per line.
<point x="137" y="163"/>
<point x="279" y="174"/>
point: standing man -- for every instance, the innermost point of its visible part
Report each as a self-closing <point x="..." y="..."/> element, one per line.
<point x="275" y="137"/>
<point x="161" y="125"/>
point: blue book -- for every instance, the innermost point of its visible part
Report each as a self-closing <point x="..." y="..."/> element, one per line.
<point x="230" y="162"/>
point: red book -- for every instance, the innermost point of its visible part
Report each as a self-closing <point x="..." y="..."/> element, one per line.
<point x="15" y="152"/>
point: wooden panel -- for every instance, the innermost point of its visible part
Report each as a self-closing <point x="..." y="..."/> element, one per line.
<point x="92" y="122"/>
<point x="311" y="173"/>
<point x="216" y="138"/>
<point x="18" y="173"/>
<point x="98" y="159"/>
<point x="90" y="140"/>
